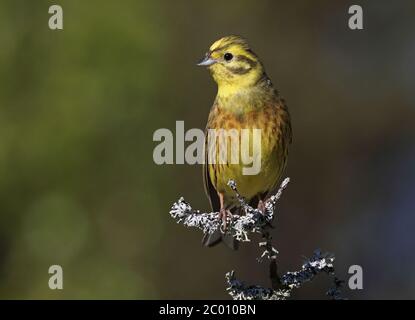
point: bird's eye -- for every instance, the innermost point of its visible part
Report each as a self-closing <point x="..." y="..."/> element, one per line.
<point x="228" y="56"/>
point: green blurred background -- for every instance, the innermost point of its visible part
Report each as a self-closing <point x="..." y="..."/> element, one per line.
<point x="78" y="108"/>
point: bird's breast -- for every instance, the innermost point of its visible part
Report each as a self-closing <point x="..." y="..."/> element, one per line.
<point x="258" y="143"/>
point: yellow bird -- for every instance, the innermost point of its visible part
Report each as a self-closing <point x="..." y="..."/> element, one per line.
<point x="246" y="99"/>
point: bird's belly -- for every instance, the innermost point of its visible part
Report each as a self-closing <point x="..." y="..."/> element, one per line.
<point x="248" y="186"/>
<point x="269" y="153"/>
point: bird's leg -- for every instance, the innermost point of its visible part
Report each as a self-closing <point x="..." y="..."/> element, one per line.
<point x="223" y="213"/>
<point x="261" y="206"/>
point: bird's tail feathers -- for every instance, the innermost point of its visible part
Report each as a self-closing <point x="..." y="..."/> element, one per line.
<point x="211" y="240"/>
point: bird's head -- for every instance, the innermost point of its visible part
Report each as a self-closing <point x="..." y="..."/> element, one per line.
<point x="232" y="63"/>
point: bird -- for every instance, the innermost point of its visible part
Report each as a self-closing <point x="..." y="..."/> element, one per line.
<point x="245" y="99"/>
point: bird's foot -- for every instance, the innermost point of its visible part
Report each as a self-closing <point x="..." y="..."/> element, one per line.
<point x="261" y="207"/>
<point x="224" y="215"/>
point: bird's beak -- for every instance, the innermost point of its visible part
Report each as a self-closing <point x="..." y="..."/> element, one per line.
<point x="206" y="61"/>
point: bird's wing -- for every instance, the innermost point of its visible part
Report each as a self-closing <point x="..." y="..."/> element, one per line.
<point x="286" y="140"/>
<point x="210" y="240"/>
<point x="209" y="188"/>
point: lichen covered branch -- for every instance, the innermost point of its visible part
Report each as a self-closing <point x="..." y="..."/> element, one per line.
<point x="238" y="290"/>
<point x="255" y="221"/>
<point x="239" y="225"/>
<point x="318" y="263"/>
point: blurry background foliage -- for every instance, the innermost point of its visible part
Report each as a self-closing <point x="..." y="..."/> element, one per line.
<point x="78" y="108"/>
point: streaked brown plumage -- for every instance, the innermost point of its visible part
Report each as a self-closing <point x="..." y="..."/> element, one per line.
<point x="246" y="99"/>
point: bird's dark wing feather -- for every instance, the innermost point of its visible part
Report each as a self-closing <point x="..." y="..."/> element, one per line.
<point x="210" y="240"/>
<point x="209" y="188"/>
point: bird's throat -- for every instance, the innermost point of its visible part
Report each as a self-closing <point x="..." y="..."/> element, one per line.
<point x="242" y="99"/>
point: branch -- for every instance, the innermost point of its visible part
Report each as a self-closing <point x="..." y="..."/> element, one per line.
<point x="239" y="225"/>
<point x="318" y="263"/>
<point x="256" y="221"/>
<point x="238" y="290"/>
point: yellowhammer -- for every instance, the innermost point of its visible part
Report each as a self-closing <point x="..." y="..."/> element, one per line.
<point x="246" y="99"/>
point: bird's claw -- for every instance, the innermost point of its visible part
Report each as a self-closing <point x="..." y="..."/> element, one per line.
<point x="261" y="207"/>
<point x="224" y="215"/>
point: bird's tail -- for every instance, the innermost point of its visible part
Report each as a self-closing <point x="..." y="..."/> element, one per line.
<point x="211" y="240"/>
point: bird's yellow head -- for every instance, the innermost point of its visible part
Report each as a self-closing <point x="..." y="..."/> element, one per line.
<point x="233" y="65"/>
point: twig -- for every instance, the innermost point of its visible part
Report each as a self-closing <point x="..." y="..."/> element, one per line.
<point x="255" y="221"/>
